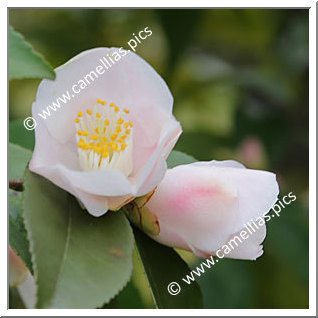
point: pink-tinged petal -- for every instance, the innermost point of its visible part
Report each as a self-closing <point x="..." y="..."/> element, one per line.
<point x="221" y="164"/>
<point x="49" y="152"/>
<point x="107" y="182"/>
<point x="257" y="190"/>
<point x="170" y="238"/>
<point x="59" y="163"/>
<point x="17" y="270"/>
<point x="201" y="206"/>
<point x="155" y="167"/>
<point x="250" y="248"/>
<point x="93" y="182"/>
<point x="202" y="210"/>
<point x="94" y="204"/>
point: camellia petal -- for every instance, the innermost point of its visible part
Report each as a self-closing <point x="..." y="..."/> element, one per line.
<point x="21" y="278"/>
<point x="108" y="143"/>
<point x="201" y="206"/>
<point x="249" y="248"/>
<point x="17" y="270"/>
<point x="258" y="189"/>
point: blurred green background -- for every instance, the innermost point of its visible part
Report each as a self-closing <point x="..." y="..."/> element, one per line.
<point x="240" y="84"/>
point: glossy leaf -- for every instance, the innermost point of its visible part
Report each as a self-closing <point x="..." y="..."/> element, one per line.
<point x="17" y="233"/>
<point x="164" y="266"/>
<point x="79" y="261"/>
<point x="20" y="136"/>
<point x="18" y="160"/>
<point x="24" y="62"/>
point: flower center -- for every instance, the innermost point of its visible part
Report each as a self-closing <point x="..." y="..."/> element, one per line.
<point x="104" y="138"/>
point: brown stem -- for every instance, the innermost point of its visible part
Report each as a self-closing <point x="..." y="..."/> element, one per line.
<point x="16" y="185"/>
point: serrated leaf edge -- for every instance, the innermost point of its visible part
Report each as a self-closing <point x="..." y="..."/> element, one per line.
<point x="45" y="62"/>
<point x="33" y="257"/>
<point x="131" y="263"/>
<point x="31" y="245"/>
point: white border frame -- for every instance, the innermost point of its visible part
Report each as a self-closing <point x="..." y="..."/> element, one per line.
<point x="312" y="166"/>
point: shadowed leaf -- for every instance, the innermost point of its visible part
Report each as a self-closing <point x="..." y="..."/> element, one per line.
<point x="164" y="266"/>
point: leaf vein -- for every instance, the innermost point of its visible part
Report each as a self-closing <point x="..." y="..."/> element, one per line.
<point x="67" y="243"/>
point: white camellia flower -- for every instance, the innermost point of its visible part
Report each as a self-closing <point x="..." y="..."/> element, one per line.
<point x="110" y="142"/>
<point x="201" y="206"/>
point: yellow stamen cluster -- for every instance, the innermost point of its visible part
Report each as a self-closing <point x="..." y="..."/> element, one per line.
<point x="103" y="131"/>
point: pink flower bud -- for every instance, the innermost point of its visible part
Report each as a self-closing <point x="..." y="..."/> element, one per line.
<point x="201" y="206"/>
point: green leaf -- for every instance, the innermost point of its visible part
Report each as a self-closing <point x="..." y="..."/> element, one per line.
<point x="79" y="261"/>
<point x="18" y="160"/>
<point x="177" y="158"/>
<point x="163" y="266"/>
<point x="17" y="233"/>
<point x="15" y="300"/>
<point x="130" y="298"/>
<point x="20" y="136"/>
<point x="24" y="62"/>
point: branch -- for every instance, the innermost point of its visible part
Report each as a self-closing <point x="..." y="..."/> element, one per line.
<point x="16" y="185"/>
